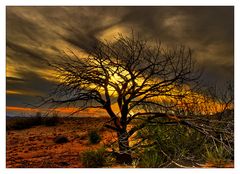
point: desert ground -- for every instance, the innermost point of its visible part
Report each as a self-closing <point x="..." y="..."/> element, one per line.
<point x="35" y="147"/>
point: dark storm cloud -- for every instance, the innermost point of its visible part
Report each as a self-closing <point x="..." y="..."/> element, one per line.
<point x="219" y="75"/>
<point x="34" y="33"/>
<point x="30" y="86"/>
<point x="16" y="25"/>
<point x="196" y="23"/>
<point x="24" y="54"/>
<point x="14" y="80"/>
<point x="187" y="25"/>
<point x="81" y="26"/>
<point x="30" y="28"/>
<point x="31" y="82"/>
<point x="24" y="38"/>
<point x="209" y="31"/>
<point x="21" y="100"/>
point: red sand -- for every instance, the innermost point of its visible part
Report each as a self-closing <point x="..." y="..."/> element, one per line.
<point x="35" y="148"/>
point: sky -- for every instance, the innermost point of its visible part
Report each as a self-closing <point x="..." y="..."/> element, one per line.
<point x="37" y="33"/>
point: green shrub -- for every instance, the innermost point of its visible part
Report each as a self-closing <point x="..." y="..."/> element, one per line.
<point x="151" y="158"/>
<point x="94" y="159"/>
<point x="94" y="137"/>
<point x="182" y="145"/>
<point x="217" y="154"/>
<point x="164" y="143"/>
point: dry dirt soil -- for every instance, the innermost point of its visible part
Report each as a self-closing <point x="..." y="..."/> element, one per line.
<point x="35" y="147"/>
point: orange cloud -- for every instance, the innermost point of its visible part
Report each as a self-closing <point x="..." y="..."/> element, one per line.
<point x="14" y="92"/>
<point x="21" y="109"/>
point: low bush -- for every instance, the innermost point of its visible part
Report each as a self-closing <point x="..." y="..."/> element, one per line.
<point x="151" y="158"/>
<point x="52" y="120"/>
<point x="217" y="155"/>
<point x="178" y="145"/>
<point x="164" y="144"/>
<point x="23" y="123"/>
<point x="94" y="137"/>
<point x="19" y="123"/>
<point x="94" y="158"/>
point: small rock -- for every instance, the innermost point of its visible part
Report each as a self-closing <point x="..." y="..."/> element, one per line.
<point x="60" y="139"/>
<point x="31" y="138"/>
<point x="64" y="163"/>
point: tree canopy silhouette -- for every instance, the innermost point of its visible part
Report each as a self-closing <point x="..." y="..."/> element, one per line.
<point x="131" y="73"/>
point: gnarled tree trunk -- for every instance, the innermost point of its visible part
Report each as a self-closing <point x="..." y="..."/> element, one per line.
<point x="124" y="155"/>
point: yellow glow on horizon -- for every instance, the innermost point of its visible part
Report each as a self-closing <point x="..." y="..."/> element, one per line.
<point x="193" y="102"/>
<point x="95" y="112"/>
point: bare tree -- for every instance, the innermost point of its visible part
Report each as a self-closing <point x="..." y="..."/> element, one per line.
<point x="131" y="73"/>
